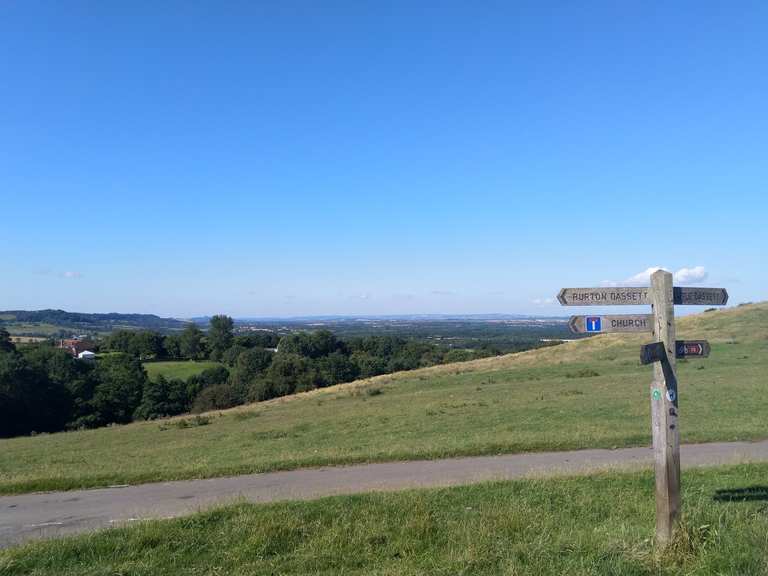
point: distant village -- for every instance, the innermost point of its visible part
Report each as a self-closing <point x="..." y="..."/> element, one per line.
<point x="80" y="347"/>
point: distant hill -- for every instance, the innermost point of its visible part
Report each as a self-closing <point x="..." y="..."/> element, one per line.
<point x="382" y="317"/>
<point x="47" y="322"/>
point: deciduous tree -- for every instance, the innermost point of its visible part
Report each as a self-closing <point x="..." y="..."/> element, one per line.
<point x="191" y="343"/>
<point x="120" y="384"/>
<point x="220" y="335"/>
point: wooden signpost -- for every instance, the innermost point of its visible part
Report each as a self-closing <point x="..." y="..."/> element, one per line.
<point x="662" y="297"/>
<point x="606" y="323"/>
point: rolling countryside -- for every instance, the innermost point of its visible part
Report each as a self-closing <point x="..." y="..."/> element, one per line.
<point x="583" y="394"/>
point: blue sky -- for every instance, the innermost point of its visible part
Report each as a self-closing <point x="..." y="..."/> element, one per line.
<point x="287" y="158"/>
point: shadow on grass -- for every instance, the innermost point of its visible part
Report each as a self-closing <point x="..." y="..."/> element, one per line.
<point x="749" y="494"/>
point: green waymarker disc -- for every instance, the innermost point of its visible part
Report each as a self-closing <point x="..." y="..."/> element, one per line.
<point x="656" y="394"/>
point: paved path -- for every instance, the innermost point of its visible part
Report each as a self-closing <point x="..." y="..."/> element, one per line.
<point x="43" y="515"/>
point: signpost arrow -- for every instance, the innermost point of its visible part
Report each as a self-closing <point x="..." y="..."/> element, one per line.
<point x="687" y="348"/>
<point x="683" y="349"/>
<point x="603" y="296"/>
<point x="701" y="296"/>
<point x="626" y="295"/>
<point x="609" y="323"/>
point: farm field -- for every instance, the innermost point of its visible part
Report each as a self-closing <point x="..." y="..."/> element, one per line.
<point x="591" y="525"/>
<point x="25" y="329"/>
<point x="173" y="369"/>
<point x="590" y="393"/>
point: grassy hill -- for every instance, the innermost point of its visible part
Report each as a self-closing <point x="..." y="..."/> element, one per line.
<point x="590" y="393"/>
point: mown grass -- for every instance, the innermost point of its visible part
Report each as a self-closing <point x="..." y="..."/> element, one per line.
<point x="174" y="369"/>
<point x="591" y="525"/>
<point x="590" y="393"/>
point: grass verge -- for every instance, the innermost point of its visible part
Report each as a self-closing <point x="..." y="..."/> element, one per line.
<point x="591" y="525"/>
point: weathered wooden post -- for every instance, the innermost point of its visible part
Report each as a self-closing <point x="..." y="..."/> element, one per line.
<point x="664" y="409"/>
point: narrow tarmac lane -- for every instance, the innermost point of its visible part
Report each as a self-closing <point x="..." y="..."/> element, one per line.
<point x="46" y="515"/>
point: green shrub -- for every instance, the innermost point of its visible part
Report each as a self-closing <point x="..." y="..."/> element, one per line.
<point x="217" y="397"/>
<point x="187" y="423"/>
<point x="583" y="373"/>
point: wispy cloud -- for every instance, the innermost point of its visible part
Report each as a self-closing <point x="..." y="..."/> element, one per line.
<point x="543" y="301"/>
<point x="693" y="275"/>
<point x="50" y="272"/>
<point x="363" y="296"/>
<point x="443" y="292"/>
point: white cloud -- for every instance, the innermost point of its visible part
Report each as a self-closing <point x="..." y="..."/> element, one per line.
<point x="691" y="275"/>
<point x="71" y="274"/>
<point x="683" y="276"/>
<point x="443" y="292"/>
<point x="641" y="278"/>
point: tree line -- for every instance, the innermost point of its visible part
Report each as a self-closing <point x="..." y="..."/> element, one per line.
<point x="218" y="344"/>
<point x="44" y="389"/>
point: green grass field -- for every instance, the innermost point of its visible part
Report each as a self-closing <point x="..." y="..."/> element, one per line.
<point x="34" y="328"/>
<point x="590" y="393"/>
<point x="182" y="369"/>
<point x="592" y="525"/>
